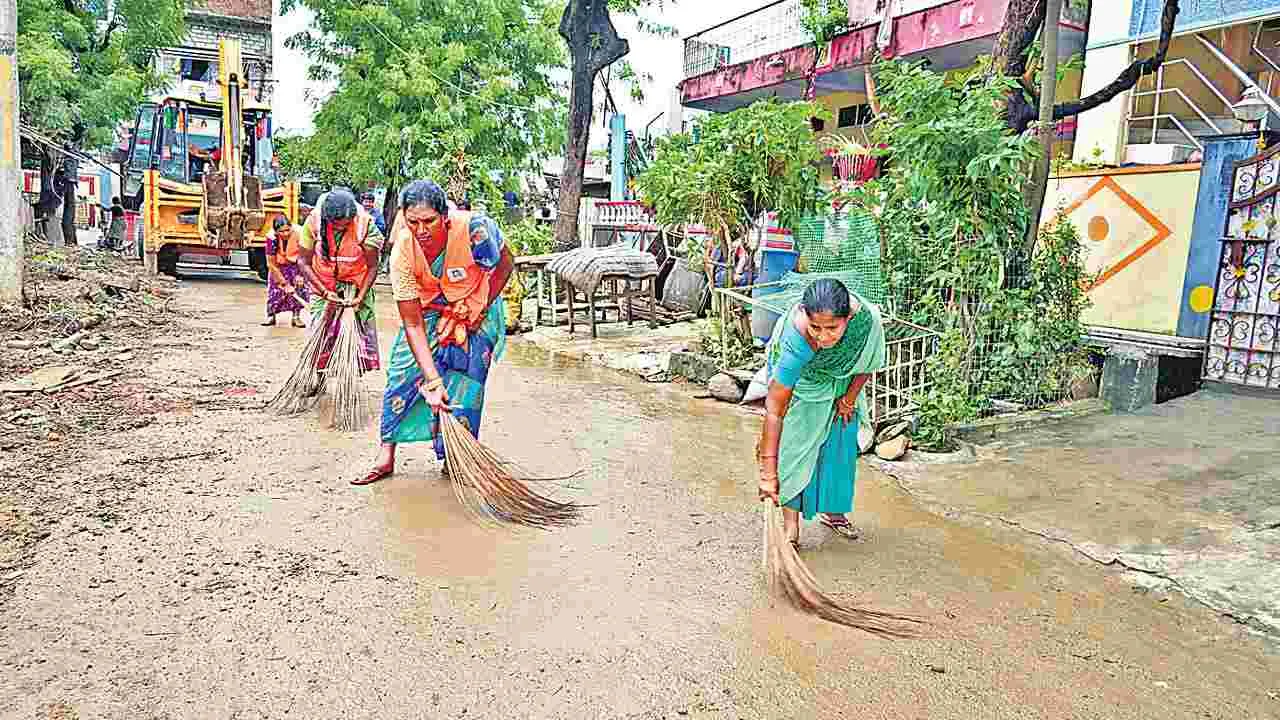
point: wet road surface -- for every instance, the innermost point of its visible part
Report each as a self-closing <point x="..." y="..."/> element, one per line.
<point x="255" y="582"/>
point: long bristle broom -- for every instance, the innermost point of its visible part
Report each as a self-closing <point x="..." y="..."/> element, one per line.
<point x="351" y="407"/>
<point x="487" y="486"/>
<point x="304" y="386"/>
<point x="787" y="576"/>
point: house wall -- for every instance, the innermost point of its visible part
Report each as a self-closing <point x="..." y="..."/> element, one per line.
<point x="1136" y="224"/>
<point x="1145" y="14"/>
<point x="1103" y="126"/>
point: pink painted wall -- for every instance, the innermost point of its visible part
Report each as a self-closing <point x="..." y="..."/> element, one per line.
<point x="947" y="24"/>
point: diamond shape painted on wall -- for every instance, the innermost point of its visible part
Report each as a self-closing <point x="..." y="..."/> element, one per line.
<point x="1127" y="229"/>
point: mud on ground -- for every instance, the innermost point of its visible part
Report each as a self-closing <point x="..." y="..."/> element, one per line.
<point x="214" y="562"/>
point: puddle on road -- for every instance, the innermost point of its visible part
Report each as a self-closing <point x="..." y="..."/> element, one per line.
<point x="667" y="473"/>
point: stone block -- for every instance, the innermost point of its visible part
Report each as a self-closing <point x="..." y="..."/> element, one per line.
<point x="693" y="367"/>
<point x="1129" y="380"/>
<point x="725" y="388"/>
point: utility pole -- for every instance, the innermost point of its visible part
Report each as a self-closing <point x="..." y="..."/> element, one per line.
<point x="10" y="158"/>
<point x="1048" y="128"/>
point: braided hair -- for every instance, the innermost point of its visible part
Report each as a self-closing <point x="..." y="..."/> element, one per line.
<point x="338" y="204"/>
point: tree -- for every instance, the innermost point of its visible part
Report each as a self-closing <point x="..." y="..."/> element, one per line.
<point x="754" y="159"/>
<point x="1048" y="90"/>
<point x="84" y="67"/>
<point x="1023" y="22"/>
<point x="456" y="91"/>
<point x="594" y="44"/>
<point x="298" y="160"/>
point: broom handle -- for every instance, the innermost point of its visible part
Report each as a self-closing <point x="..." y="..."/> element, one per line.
<point x="764" y="557"/>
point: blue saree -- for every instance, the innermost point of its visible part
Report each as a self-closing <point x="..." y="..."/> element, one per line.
<point x="406" y="417"/>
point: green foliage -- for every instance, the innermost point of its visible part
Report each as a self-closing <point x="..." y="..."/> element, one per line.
<point x="729" y="344"/>
<point x="529" y="237"/>
<point x="301" y="159"/>
<point x="1040" y="346"/>
<point x="948" y="400"/>
<point x="422" y="83"/>
<point x="952" y="215"/>
<point x="761" y="157"/>
<point x="1063" y="162"/>
<point x="824" y="19"/>
<point x="84" y="67"/>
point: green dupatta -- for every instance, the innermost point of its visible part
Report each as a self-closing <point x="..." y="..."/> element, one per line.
<point x="812" y="412"/>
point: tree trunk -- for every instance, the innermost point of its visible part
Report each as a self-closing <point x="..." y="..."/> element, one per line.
<point x="593" y="45"/>
<point x="1047" y="127"/>
<point x="1022" y="21"/>
<point x="391" y="203"/>
<point x="47" y="205"/>
<point x="69" y="202"/>
<point x="575" y="162"/>
<point x="53" y="225"/>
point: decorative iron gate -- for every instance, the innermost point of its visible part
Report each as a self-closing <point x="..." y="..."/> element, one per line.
<point x="1243" y="347"/>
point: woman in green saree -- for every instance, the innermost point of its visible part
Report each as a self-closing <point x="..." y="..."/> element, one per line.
<point x="820" y="356"/>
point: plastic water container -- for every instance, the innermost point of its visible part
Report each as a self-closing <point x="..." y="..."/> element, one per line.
<point x="774" y="263"/>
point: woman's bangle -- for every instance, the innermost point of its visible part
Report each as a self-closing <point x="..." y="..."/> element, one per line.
<point x="434" y="383"/>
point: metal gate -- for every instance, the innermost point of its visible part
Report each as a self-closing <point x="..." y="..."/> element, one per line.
<point x="1243" y="347"/>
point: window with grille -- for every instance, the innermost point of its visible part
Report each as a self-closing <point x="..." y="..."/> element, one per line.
<point x="854" y="115"/>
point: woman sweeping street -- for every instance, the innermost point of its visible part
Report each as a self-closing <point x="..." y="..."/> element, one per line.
<point x="448" y="270"/>
<point x="338" y="255"/>
<point x="286" y="288"/>
<point x="820" y="356"/>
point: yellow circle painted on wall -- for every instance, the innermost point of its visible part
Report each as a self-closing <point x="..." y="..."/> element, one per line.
<point x="1201" y="298"/>
<point x="1099" y="228"/>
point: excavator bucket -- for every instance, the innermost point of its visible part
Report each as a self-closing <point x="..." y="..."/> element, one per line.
<point x="228" y="221"/>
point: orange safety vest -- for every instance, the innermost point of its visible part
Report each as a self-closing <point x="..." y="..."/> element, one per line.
<point x="464" y="284"/>
<point x="287" y="251"/>
<point x="347" y="264"/>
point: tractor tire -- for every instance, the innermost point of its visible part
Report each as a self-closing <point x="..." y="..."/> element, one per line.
<point x="167" y="261"/>
<point x="258" y="262"/>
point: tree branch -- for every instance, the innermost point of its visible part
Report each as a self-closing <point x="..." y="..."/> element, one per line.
<point x="1131" y="74"/>
<point x="1017" y="58"/>
<point x="111" y="28"/>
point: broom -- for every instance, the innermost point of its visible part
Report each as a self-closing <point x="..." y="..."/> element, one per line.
<point x="304" y="386"/>
<point x="486" y="485"/>
<point x="351" y="407"/>
<point x="787" y="576"/>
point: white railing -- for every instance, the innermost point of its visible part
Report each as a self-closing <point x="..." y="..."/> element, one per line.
<point x="770" y="29"/>
<point x="1160" y="90"/>
<point x="621" y="214"/>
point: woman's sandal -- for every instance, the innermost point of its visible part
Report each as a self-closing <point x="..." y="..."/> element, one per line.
<point x="298" y="323"/>
<point x="376" y="474"/>
<point x="844" y="529"/>
<point x="269" y="321"/>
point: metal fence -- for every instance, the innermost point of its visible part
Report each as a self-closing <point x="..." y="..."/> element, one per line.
<point x="770" y="29"/>
<point x="1013" y="375"/>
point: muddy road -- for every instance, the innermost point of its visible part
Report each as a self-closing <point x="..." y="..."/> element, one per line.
<point x="214" y="563"/>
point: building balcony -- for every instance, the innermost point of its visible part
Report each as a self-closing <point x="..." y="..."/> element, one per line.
<point x="767" y="52"/>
